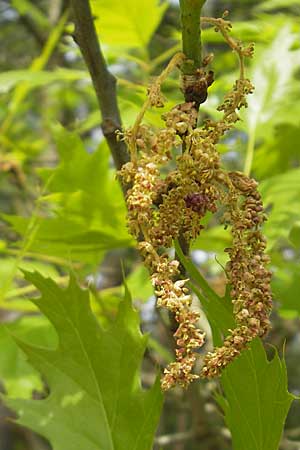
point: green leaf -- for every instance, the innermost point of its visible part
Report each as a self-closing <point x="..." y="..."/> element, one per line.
<point x="38" y="64"/>
<point x="87" y="205"/>
<point x="256" y="400"/>
<point x="65" y="238"/>
<point x="286" y="288"/>
<point x="269" y="5"/>
<point x="124" y="23"/>
<point x="96" y="401"/>
<point x="85" y="186"/>
<point x="20" y="378"/>
<point x="273" y="78"/>
<point x="268" y="105"/>
<point x="139" y="284"/>
<point x="281" y="199"/>
<point x="214" y="239"/>
<point x="294" y="235"/>
<point x="281" y="152"/>
<point x="11" y="78"/>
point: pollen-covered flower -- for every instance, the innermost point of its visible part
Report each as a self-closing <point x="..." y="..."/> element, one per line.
<point x="247" y="273"/>
<point x="168" y="198"/>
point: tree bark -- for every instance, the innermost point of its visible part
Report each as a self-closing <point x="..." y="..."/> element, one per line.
<point x="104" y="82"/>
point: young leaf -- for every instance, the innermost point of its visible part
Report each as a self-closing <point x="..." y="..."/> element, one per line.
<point x="286" y="287"/>
<point x="268" y="106"/>
<point x="83" y="184"/>
<point x="61" y="237"/>
<point x="89" y="207"/>
<point x="294" y="235"/>
<point x="123" y="23"/>
<point x="20" y="378"/>
<point x="281" y="152"/>
<point x="214" y="239"/>
<point x="10" y="78"/>
<point x="38" y="64"/>
<point x="280" y="195"/>
<point x="139" y="284"/>
<point x="96" y="401"/>
<point x="256" y="400"/>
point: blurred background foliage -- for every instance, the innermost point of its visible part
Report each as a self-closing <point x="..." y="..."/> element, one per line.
<point x="62" y="209"/>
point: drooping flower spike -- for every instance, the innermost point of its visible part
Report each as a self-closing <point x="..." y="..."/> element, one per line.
<point x="165" y="204"/>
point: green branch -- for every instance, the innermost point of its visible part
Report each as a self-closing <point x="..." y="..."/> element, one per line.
<point x="104" y="82"/>
<point x="194" y="91"/>
<point x="191" y="34"/>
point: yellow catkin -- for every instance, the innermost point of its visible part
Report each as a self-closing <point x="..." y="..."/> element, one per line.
<point x="164" y="204"/>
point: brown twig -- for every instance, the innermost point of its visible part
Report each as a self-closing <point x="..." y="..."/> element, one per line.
<point x="104" y="82"/>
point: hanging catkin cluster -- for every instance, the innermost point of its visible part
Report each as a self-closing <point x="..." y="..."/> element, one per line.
<point x="165" y="204"/>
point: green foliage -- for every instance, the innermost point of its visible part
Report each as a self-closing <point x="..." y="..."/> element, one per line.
<point x="11" y="276"/>
<point x="270" y="5"/>
<point x="38" y="64"/>
<point x="268" y="105"/>
<point x="216" y="239"/>
<point x="256" y="400"/>
<point x="281" y="198"/>
<point x="281" y="151"/>
<point x="286" y="285"/>
<point x="20" y="379"/>
<point x="96" y="400"/>
<point x="123" y="23"/>
<point x="139" y="284"/>
<point x="294" y="235"/>
<point x="83" y="190"/>
<point x="9" y="79"/>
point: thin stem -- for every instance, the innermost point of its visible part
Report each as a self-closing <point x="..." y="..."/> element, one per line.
<point x="104" y="82"/>
<point x="176" y="61"/>
<point x="224" y="26"/>
<point x="190" y="68"/>
<point x="191" y="35"/>
<point x="192" y="50"/>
